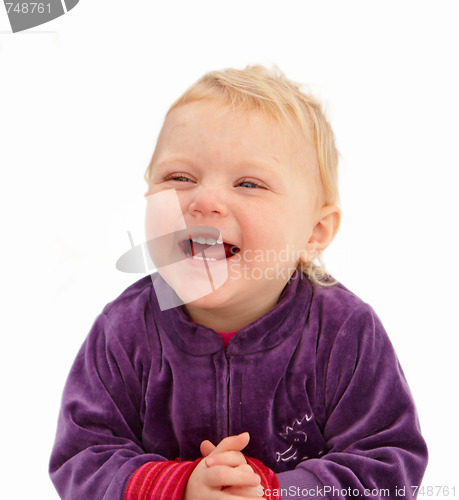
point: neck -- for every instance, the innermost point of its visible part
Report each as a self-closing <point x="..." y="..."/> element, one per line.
<point x="228" y="320"/>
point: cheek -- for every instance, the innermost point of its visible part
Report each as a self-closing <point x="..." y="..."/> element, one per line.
<point x="163" y="214"/>
<point x="274" y="226"/>
<point x="184" y="198"/>
<point x="270" y="235"/>
<point x="183" y="201"/>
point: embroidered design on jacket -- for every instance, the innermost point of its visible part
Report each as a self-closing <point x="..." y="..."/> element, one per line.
<point x="294" y="432"/>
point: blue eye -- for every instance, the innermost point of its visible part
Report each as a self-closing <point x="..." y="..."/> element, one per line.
<point x="248" y="184"/>
<point x="178" y="178"/>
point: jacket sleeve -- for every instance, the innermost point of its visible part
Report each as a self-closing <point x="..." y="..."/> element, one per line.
<point x="369" y="422"/>
<point x="98" y="442"/>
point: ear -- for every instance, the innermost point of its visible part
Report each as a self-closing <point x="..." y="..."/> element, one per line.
<point x="325" y="229"/>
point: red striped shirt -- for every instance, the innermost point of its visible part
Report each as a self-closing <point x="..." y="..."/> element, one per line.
<point x="168" y="480"/>
<point x="160" y="480"/>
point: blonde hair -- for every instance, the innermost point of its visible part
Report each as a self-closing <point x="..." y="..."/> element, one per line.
<point x="257" y="88"/>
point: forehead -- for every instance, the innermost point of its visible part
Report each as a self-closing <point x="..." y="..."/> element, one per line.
<point x="209" y="126"/>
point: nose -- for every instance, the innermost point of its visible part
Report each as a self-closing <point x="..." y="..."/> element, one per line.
<point x="208" y="200"/>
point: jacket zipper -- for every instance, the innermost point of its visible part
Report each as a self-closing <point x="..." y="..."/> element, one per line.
<point x="227" y="393"/>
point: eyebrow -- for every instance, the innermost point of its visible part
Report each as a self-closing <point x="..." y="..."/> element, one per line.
<point x="167" y="161"/>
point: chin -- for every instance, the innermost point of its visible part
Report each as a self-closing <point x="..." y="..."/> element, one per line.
<point x="193" y="280"/>
<point x="217" y="299"/>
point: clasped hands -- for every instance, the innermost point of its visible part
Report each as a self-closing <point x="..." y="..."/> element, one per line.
<point x="223" y="474"/>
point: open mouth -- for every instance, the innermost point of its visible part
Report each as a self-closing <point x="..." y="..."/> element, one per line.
<point x="205" y="243"/>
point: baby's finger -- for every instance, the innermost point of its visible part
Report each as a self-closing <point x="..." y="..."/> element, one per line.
<point x="229" y="458"/>
<point x="221" y="476"/>
<point x="207" y="448"/>
<point x="246" y="468"/>
<point x="245" y="492"/>
<point x="233" y="443"/>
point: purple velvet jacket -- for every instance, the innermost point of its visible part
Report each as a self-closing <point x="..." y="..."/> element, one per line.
<point x="315" y="382"/>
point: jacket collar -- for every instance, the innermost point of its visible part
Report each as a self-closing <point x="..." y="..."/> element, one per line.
<point x="287" y="318"/>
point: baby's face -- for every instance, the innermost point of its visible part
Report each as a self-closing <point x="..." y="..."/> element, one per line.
<point x="257" y="183"/>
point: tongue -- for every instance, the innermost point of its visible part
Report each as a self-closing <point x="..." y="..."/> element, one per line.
<point x="217" y="251"/>
<point x="230" y="250"/>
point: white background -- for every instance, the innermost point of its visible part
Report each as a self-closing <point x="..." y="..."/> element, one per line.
<point x="81" y="102"/>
